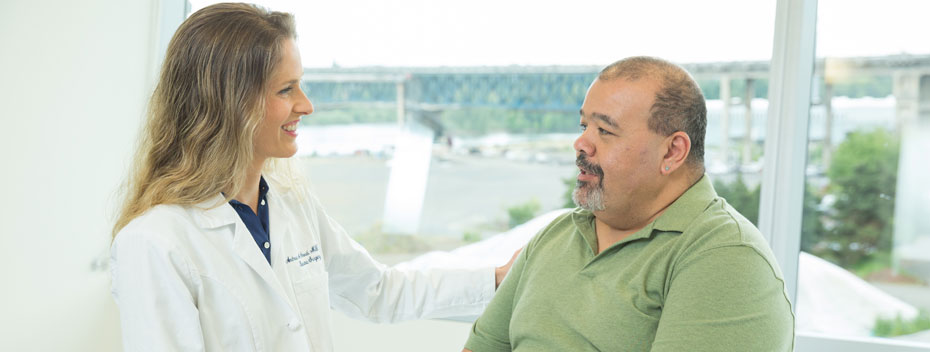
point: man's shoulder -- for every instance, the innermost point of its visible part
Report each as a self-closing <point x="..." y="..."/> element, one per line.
<point x="720" y="225"/>
<point x="562" y="224"/>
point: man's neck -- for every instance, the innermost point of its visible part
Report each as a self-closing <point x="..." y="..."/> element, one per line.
<point x="608" y="234"/>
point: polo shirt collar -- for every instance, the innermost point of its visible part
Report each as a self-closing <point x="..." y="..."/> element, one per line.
<point x="213" y="213"/>
<point x="262" y="192"/>
<point x="584" y="222"/>
<point x="686" y="208"/>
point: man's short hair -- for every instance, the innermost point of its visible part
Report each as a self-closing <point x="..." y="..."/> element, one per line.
<point x="679" y="103"/>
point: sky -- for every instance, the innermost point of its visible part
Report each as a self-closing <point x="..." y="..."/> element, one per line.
<point x="351" y="33"/>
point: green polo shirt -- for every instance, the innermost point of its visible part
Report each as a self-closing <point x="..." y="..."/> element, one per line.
<point x="698" y="278"/>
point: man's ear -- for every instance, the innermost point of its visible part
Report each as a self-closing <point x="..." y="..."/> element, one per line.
<point x="677" y="147"/>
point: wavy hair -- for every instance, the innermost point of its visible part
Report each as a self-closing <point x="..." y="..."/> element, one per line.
<point x="197" y="140"/>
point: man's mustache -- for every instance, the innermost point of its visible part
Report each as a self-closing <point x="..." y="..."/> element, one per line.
<point x="589" y="167"/>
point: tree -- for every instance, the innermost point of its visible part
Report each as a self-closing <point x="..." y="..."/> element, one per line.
<point x="740" y="197"/>
<point x="569" y="183"/>
<point x="522" y="213"/>
<point x="811" y="224"/>
<point x="863" y="177"/>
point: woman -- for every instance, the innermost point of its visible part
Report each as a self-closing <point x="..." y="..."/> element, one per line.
<point x="217" y="246"/>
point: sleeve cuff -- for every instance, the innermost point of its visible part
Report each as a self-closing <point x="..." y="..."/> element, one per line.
<point x="470" y="290"/>
<point x="476" y="343"/>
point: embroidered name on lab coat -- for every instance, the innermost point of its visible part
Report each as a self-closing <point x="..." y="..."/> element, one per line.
<point x="306" y="257"/>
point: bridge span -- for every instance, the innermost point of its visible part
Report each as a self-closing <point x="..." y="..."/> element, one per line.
<point x="422" y="92"/>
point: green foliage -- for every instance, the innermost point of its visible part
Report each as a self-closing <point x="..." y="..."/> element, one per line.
<point x="468" y="121"/>
<point x="811" y="224"/>
<point x="471" y="237"/>
<point x="522" y="117"/>
<point x="478" y="121"/>
<point x="376" y="241"/>
<point x="877" y="263"/>
<point x="899" y="326"/>
<point x="569" y="183"/>
<point x="740" y="197"/>
<point x="853" y="87"/>
<point x="349" y="116"/>
<point x="863" y="177"/>
<point x="711" y="88"/>
<point x="858" y="230"/>
<point x="522" y="212"/>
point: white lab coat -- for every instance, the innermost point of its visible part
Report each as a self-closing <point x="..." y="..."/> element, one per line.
<point x="192" y="279"/>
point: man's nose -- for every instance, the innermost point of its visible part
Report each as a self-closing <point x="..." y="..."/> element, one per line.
<point x="582" y="145"/>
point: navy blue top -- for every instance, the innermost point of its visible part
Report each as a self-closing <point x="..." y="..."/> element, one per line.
<point x="257" y="223"/>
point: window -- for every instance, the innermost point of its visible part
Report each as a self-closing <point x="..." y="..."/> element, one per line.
<point x="438" y="124"/>
<point x="865" y="234"/>
<point x="442" y="123"/>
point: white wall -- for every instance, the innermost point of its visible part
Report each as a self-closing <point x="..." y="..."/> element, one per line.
<point x="74" y="77"/>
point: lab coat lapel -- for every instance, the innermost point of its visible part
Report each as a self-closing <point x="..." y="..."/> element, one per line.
<point x="245" y="247"/>
<point x="218" y="213"/>
<point x="282" y="237"/>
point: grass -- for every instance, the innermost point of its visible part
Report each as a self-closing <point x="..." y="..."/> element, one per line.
<point x="899" y="326"/>
<point x="376" y="241"/>
<point x="522" y="213"/>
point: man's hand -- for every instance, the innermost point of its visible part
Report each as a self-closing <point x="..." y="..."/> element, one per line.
<point x="501" y="271"/>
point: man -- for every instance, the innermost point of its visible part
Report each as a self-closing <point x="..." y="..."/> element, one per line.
<point x="652" y="260"/>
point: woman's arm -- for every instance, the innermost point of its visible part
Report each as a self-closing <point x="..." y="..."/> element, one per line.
<point x="365" y="289"/>
<point x="152" y="284"/>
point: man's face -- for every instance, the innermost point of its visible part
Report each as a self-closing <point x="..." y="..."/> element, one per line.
<point x="618" y="156"/>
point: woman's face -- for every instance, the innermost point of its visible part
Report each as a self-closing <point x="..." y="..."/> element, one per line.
<point x="285" y="103"/>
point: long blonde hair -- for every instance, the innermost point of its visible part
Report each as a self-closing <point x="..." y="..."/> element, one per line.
<point x="197" y="140"/>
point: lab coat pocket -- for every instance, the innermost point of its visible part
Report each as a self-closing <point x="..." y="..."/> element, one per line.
<point x="312" y="295"/>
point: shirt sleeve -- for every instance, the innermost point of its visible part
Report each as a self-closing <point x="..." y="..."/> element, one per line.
<point x="152" y="285"/>
<point x="725" y="299"/>
<point x="363" y="288"/>
<point x="491" y="332"/>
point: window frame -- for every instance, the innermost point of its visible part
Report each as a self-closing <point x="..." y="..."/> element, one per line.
<point x="786" y="138"/>
<point x="169" y="14"/>
<point x="783" y="181"/>
<point x="812" y="342"/>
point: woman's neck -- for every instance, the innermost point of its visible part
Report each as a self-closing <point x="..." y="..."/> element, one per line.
<point x="248" y="195"/>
